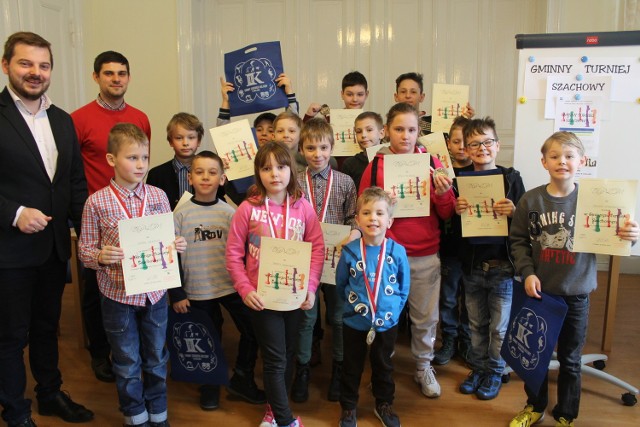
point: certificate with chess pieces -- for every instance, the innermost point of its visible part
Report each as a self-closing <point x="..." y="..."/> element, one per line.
<point x="150" y="259"/>
<point x="603" y="207"/>
<point x="283" y="274"/>
<point x="333" y="235"/>
<point x="342" y="122"/>
<point x="407" y="178"/>
<point x="236" y="147"/>
<point x="480" y="219"/>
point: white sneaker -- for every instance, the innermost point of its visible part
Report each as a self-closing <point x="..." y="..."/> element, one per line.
<point x="427" y="381"/>
<point x="268" y="420"/>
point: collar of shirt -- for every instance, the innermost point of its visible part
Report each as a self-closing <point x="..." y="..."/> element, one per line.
<point x="104" y="104"/>
<point x="324" y="173"/>
<point x="45" y="102"/>
<point x="125" y="193"/>
<point x="178" y="165"/>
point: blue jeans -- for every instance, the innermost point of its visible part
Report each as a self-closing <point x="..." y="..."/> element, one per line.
<point x="570" y="342"/>
<point x="454" y="319"/>
<point x="137" y="336"/>
<point x="488" y="298"/>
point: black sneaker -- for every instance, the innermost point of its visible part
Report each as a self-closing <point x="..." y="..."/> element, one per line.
<point x="446" y="352"/>
<point x="334" y="385"/>
<point x="300" y="388"/>
<point x="385" y="414"/>
<point x="164" y="423"/>
<point x="62" y="406"/>
<point x="243" y="386"/>
<point x="209" y="397"/>
<point x="348" y="418"/>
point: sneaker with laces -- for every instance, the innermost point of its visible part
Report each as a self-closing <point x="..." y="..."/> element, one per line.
<point x="471" y="383"/>
<point x="385" y="414"/>
<point x="489" y="387"/>
<point x="527" y="417"/>
<point x="268" y="420"/>
<point x="563" y="422"/>
<point x="296" y="423"/>
<point x="427" y="381"/>
<point x="348" y="418"/>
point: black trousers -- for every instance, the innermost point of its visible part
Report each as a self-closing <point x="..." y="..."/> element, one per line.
<point x="30" y="306"/>
<point x="92" y="315"/>
<point x="355" y="352"/>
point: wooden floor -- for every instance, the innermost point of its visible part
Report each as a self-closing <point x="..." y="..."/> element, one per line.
<point x="601" y="404"/>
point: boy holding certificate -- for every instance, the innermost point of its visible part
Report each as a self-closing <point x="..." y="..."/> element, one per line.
<point x="541" y="245"/>
<point x="205" y="221"/>
<point x="135" y="324"/>
<point x="421" y="238"/>
<point x="487" y="270"/>
<point x="333" y="197"/>
<point x="372" y="281"/>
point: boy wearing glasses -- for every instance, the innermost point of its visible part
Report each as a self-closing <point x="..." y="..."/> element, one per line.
<point x="487" y="269"/>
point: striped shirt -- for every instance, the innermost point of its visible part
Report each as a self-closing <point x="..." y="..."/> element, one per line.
<point x="341" y="207"/>
<point x="100" y="228"/>
<point x="206" y="228"/>
<point x="182" y="173"/>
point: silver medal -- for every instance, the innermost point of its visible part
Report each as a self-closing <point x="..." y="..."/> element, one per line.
<point x="371" y="335"/>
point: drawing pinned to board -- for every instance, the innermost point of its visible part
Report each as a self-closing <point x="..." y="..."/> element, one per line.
<point x="583" y="119"/>
<point x="253" y="71"/>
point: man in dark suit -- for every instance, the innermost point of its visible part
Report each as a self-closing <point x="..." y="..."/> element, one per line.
<point x="42" y="186"/>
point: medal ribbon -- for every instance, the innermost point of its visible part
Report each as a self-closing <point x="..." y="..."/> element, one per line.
<point x="116" y="194"/>
<point x="272" y="224"/>
<point x="327" y="192"/>
<point x="373" y="293"/>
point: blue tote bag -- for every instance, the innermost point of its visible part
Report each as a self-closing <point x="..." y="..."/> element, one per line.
<point x="194" y="347"/>
<point x="253" y="70"/>
<point x="534" y="327"/>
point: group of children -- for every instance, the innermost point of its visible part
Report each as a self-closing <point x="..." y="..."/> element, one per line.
<point x="381" y="269"/>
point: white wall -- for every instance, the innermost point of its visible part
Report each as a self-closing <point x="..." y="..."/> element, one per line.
<point x="145" y="32"/>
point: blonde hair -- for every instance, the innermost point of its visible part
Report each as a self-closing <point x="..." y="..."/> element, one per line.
<point x="316" y="129"/>
<point x="565" y="139"/>
<point x="374" y="194"/>
<point x="128" y="133"/>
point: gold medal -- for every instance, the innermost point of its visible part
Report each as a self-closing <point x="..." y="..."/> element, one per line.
<point x="371" y="335"/>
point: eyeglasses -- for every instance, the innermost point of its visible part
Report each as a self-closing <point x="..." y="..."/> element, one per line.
<point x="487" y="143"/>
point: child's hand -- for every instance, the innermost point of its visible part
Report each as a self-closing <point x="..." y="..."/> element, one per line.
<point x="110" y="255"/>
<point x="284" y="81"/>
<point x="253" y="301"/>
<point x="181" y="306"/>
<point x="629" y="231"/>
<point x="225" y="88"/>
<point x="532" y="286"/>
<point x="313" y="109"/>
<point x="442" y="183"/>
<point x="308" y="303"/>
<point x="461" y="205"/>
<point x="504" y="207"/>
<point x="180" y="244"/>
<point x="468" y="111"/>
